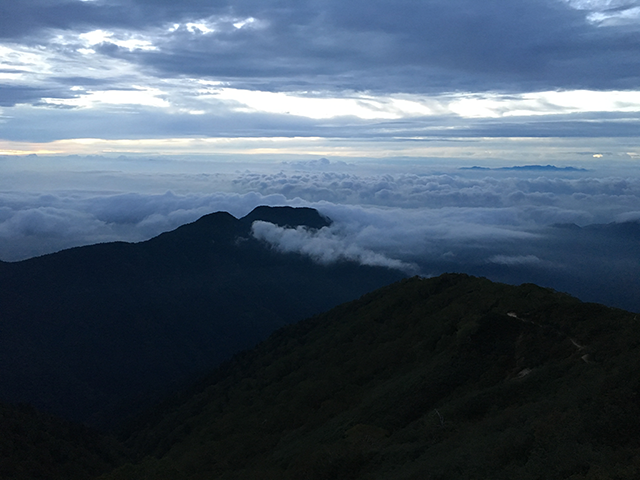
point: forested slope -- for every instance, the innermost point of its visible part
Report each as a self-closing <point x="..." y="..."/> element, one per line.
<point x="452" y="377"/>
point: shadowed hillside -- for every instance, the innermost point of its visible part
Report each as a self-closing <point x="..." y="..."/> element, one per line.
<point x="452" y="377"/>
<point x="35" y="446"/>
<point x="92" y="333"/>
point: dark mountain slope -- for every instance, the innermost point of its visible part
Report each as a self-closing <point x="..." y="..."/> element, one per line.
<point x="36" y="446"/>
<point x="89" y="332"/>
<point x="452" y="377"/>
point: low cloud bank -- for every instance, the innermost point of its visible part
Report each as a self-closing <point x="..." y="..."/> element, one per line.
<point x="540" y="198"/>
<point x="402" y="216"/>
<point x="32" y="224"/>
<point x="323" y="246"/>
<point x="500" y="224"/>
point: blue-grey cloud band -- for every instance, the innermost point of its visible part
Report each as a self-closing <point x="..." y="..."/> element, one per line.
<point x="483" y="221"/>
<point x="137" y="69"/>
<point x="379" y="45"/>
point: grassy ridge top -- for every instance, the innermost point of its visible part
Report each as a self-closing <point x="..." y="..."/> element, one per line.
<point x="448" y="377"/>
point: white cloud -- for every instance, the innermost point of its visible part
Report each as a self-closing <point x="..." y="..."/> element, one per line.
<point x="323" y="246"/>
<point x="514" y="199"/>
<point x="130" y="42"/>
<point x="47" y="221"/>
<point x="387" y="218"/>
<point x="628" y="217"/>
<point x="33" y="224"/>
<point x="609" y="12"/>
<point x="368" y="106"/>
<point x="149" y="97"/>
<point x="317" y="107"/>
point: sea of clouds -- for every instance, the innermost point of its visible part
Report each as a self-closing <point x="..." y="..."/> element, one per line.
<point x="508" y="224"/>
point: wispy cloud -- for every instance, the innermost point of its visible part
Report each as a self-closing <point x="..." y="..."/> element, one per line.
<point x="497" y="223"/>
<point x="323" y="246"/>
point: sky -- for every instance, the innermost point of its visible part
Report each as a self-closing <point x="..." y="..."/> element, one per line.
<point x="122" y="119"/>
<point x="317" y="76"/>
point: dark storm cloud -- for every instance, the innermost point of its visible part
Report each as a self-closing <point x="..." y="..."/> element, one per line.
<point x="11" y="95"/>
<point x="29" y="18"/>
<point x="378" y="45"/>
<point x="411" y="46"/>
<point x="146" y="122"/>
<point x="601" y="124"/>
<point x="150" y="123"/>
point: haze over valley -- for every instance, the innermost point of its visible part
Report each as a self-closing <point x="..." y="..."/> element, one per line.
<point x="569" y="227"/>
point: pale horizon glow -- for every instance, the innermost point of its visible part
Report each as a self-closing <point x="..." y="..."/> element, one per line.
<point x="514" y="150"/>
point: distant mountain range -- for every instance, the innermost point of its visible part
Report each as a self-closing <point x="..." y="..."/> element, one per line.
<point x="447" y="378"/>
<point x="534" y="168"/>
<point x="93" y="333"/>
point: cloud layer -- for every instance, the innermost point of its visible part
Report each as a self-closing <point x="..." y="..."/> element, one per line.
<point x="332" y="69"/>
<point x="407" y="46"/>
<point x="324" y="246"/>
<point x="514" y="225"/>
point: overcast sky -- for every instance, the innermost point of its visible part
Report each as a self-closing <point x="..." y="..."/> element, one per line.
<point x="145" y="114"/>
<point x="158" y="75"/>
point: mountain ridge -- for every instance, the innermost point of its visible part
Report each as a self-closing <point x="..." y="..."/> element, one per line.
<point x="452" y="377"/>
<point x="443" y="378"/>
<point x="94" y="330"/>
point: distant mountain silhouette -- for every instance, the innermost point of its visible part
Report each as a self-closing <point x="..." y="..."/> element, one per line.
<point x="533" y="168"/>
<point x="629" y="228"/>
<point x="91" y="333"/>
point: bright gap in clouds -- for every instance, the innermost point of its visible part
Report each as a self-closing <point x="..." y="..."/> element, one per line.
<point x="490" y="151"/>
<point x="316" y="107"/>
<point x="136" y="95"/>
<point x="97" y="37"/>
<point x="214" y="24"/>
<point x="608" y="12"/>
<point x="321" y="105"/>
<point x="30" y="67"/>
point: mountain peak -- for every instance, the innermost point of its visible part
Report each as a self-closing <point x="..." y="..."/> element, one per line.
<point x="92" y="333"/>
<point x="290" y="217"/>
